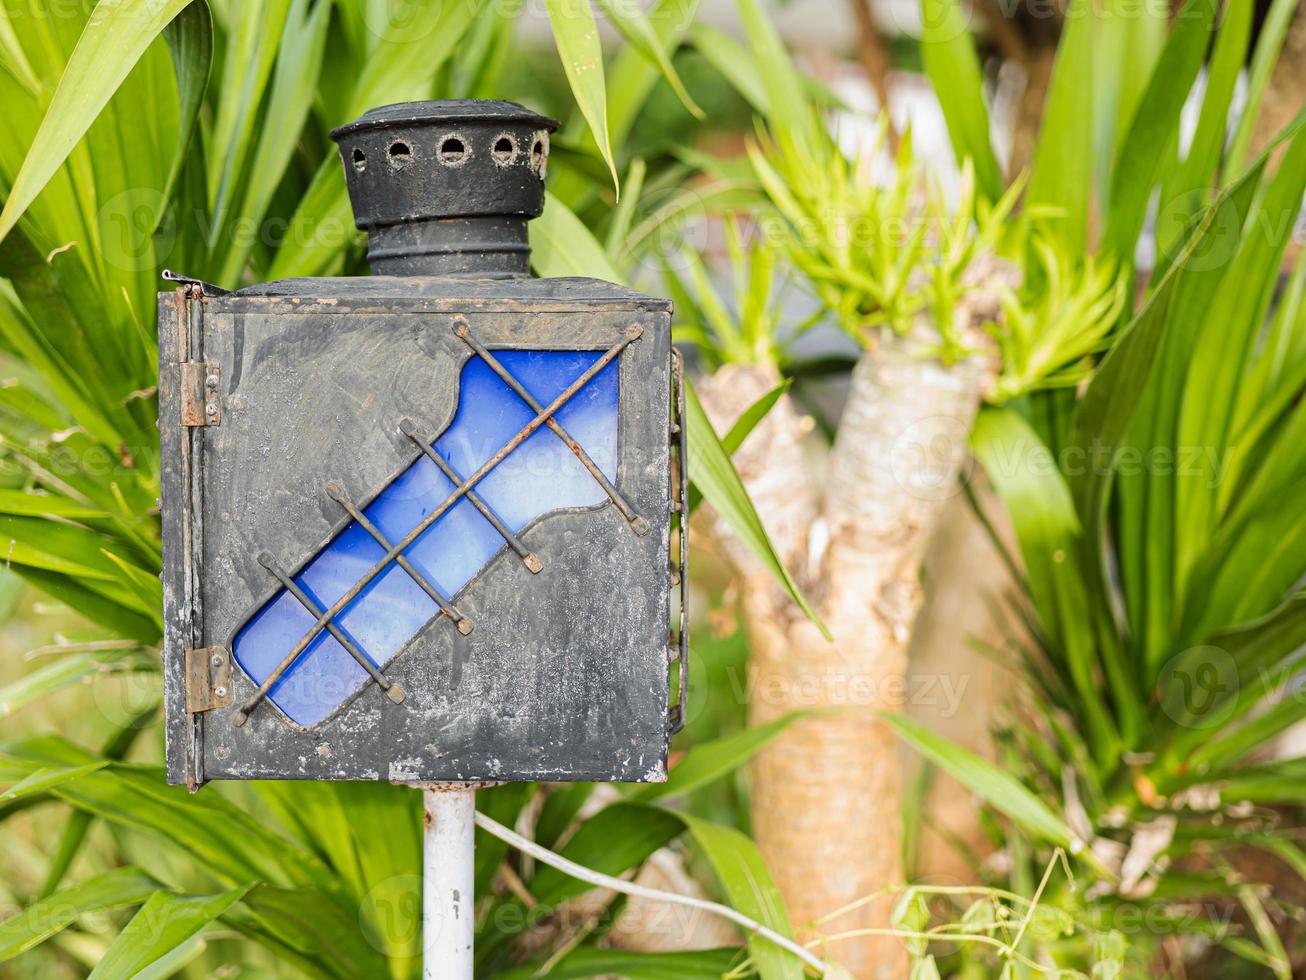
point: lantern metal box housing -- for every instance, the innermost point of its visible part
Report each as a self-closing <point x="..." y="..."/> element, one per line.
<point x="417" y="525"/>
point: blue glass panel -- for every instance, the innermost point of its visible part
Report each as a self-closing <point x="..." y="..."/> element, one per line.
<point x="539" y="476"/>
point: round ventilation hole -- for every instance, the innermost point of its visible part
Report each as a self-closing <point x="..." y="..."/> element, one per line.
<point x="453" y="151"/>
<point x="401" y="154"/>
<point x="505" y="150"/>
<point x="540" y="153"/>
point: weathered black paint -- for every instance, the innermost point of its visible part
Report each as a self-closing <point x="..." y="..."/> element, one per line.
<point x="446" y="187"/>
<point x="566" y="673"/>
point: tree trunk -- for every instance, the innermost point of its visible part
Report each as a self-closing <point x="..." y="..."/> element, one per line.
<point x="774" y="462"/>
<point x="826" y="799"/>
<point x="961" y="689"/>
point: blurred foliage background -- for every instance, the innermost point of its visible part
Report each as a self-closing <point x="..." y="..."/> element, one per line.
<point x="1084" y="222"/>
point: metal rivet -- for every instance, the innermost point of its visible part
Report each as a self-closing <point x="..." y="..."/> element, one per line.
<point x="220" y="691"/>
<point x="216" y="660"/>
<point x="211" y="381"/>
<point x="210" y="409"/>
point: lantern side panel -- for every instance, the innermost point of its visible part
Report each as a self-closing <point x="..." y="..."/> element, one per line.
<point x="564" y="673"/>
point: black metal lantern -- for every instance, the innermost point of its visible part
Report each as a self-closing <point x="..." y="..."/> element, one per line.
<point x="417" y="525"/>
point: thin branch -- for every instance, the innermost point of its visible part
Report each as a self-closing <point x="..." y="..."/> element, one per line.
<point x="1033" y="905"/>
<point x="873" y="53"/>
<point x="1003" y="31"/>
<point x="582" y="873"/>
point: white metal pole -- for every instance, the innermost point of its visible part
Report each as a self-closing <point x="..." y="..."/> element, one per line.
<point x="448" y="899"/>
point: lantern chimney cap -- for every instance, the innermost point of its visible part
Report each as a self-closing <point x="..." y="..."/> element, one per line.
<point x="435" y="112"/>
<point x="445" y="187"/>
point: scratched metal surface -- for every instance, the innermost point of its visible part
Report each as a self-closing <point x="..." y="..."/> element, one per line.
<point x="565" y="674"/>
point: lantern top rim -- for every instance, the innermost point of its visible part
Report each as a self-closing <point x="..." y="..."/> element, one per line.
<point x="466" y="294"/>
<point x="445" y="111"/>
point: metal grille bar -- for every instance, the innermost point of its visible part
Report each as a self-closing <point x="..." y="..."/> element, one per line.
<point x="393" y="691"/>
<point x="339" y="496"/>
<point x="543" y="415"/>
<point x="531" y="560"/>
<point x="464" y="332"/>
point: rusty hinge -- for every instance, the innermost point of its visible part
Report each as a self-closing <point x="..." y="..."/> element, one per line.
<point x="198" y="286"/>
<point x="200" y="401"/>
<point x="208" y="679"/>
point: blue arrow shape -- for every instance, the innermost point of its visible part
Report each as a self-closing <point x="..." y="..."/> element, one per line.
<point x="540" y="476"/>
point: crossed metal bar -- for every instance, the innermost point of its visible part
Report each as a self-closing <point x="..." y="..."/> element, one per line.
<point x="464" y="333"/>
<point x="393" y="691"/>
<point x="544" y="415"/>
<point x="337" y="494"/>
<point x="529" y="559"/>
